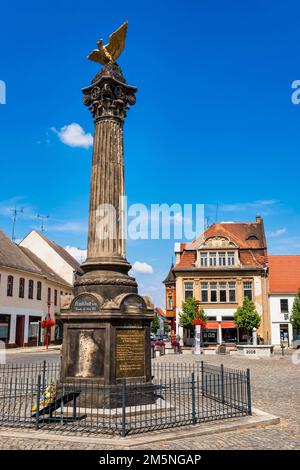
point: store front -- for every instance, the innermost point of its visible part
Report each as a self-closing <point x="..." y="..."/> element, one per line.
<point x="4" y="328"/>
<point x="217" y="332"/>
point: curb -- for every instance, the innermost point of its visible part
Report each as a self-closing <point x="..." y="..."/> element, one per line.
<point x="258" y="419"/>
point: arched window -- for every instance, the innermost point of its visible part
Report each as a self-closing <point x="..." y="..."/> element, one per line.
<point x="21" y="287"/>
<point x="39" y="290"/>
<point x="252" y="237"/>
<point x="10" y="286"/>
<point x="30" y="289"/>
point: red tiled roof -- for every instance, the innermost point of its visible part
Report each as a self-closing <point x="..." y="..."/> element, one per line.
<point x="187" y="259"/>
<point x="252" y="258"/>
<point x="238" y="233"/>
<point x="249" y="237"/>
<point x="284" y="274"/>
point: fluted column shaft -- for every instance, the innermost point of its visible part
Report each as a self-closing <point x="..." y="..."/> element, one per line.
<point x="106" y="219"/>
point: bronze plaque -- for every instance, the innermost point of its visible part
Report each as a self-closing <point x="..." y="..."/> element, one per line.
<point x="85" y="303"/>
<point x="130" y="353"/>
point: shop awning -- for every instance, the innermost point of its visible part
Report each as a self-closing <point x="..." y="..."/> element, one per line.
<point x="224" y="324"/>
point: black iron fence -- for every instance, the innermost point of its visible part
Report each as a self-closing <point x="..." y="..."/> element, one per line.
<point x="179" y="394"/>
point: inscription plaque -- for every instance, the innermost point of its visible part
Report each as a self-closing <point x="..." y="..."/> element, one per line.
<point x="130" y="353"/>
<point x="85" y="303"/>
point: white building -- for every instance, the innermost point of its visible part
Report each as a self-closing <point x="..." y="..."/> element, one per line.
<point x="284" y="283"/>
<point x="29" y="286"/>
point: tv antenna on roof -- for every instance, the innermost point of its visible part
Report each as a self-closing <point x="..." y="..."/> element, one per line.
<point x="217" y="211"/>
<point x="42" y="218"/>
<point x="207" y="219"/>
<point x="15" y="212"/>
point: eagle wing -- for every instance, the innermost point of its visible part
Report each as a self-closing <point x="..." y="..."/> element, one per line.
<point x="97" y="55"/>
<point x="117" y="41"/>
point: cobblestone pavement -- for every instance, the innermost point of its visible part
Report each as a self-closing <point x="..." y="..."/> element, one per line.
<point x="275" y="389"/>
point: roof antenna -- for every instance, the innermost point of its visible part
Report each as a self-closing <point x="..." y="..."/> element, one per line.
<point x="15" y="212"/>
<point x="217" y="212"/>
<point x="207" y="222"/>
<point x="42" y="218"/>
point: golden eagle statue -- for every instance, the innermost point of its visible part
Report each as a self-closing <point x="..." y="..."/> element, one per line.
<point x="110" y="52"/>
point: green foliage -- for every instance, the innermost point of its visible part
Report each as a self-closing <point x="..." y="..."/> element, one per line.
<point x="188" y="313"/>
<point x="155" y="324"/>
<point x="295" y="317"/>
<point x="246" y="317"/>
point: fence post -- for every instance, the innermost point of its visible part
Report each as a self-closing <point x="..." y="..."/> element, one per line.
<point x="38" y="399"/>
<point x="44" y="374"/>
<point x="202" y="377"/>
<point x="193" y="399"/>
<point x="249" y="393"/>
<point x="222" y="384"/>
<point x="124" y="408"/>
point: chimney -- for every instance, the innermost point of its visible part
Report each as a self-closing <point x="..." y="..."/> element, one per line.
<point x="259" y="219"/>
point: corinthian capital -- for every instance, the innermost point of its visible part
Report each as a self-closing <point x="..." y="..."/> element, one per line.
<point x="109" y="96"/>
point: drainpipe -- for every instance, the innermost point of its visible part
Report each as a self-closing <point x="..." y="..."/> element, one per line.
<point x="266" y="303"/>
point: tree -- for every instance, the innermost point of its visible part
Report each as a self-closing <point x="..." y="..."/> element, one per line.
<point x="295" y="317"/>
<point x="189" y="312"/>
<point x="246" y="317"/>
<point x="155" y="325"/>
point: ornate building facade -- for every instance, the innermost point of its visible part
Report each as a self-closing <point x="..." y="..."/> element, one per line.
<point x="223" y="265"/>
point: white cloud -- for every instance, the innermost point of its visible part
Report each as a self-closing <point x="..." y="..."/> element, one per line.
<point x="77" y="253"/>
<point x="245" y="206"/>
<point x="68" y="226"/>
<point x="143" y="268"/>
<point x="74" y="136"/>
<point x="278" y="233"/>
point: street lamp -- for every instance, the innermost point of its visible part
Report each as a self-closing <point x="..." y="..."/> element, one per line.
<point x="198" y="325"/>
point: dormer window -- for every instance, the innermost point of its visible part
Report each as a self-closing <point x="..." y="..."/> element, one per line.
<point x="230" y="258"/>
<point x="222" y="259"/>
<point x="203" y="259"/>
<point x="213" y="259"/>
<point x="252" y="237"/>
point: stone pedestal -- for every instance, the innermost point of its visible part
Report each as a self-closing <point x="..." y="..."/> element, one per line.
<point x="107" y="325"/>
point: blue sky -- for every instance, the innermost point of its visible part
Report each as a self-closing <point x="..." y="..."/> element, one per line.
<point x="214" y="122"/>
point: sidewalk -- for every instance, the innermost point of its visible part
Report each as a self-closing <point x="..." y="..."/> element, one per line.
<point x="33" y="349"/>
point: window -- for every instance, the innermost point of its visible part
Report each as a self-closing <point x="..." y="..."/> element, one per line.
<point x="204" y="292"/>
<point x="170" y="302"/>
<point x="55" y="297"/>
<point x="39" y="290"/>
<point x="203" y="259"/>
<point x="21" y="287"/>
<point x="49" y="295"/>
<point x="222" y="259"/>
<point x="34" y="329"/>
<point x="10" y="286"/>
<point x="213" y="259"/>
<point x="230" y="258"/>
<point x="4" y="327"/>
<point x="231" y="290"/>
<point x="284" y="305"/>
<point x="223" y="292"/>
<point x="30" y="289"/>
<point x="213" y="292"/>
<point x="227" y="318"/>
<point x="188" y="290"/>
<point x="248" y="290"/>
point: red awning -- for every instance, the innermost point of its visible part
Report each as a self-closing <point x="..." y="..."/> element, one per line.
<point x="212" y="324"/>
<point x="224" y="324"/>
<point x="228" y="324"/>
